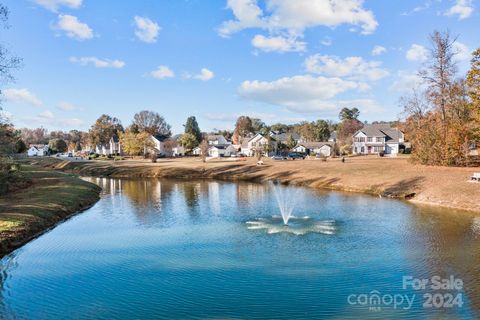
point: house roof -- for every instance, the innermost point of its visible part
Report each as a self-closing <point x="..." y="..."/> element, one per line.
<point x="159" y="137"/>
<point x="382" y="130"/>
<point x="313" y="145"/>
<point x="38" y="146"/>
<point x="284" y="136"/>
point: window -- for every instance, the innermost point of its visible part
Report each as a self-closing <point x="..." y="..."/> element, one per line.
<point x="379" y="139"/>
<point x="362" y="149"/>
<point x="369" y="139"/>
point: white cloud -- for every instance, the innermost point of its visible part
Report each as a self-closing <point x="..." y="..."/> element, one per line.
<point x="292" y="91"/>
<point x="21" y="96"/>
<point x="378" y="50"/>
<point x="47" y="114"/>
<point x="98" y="63"/>
<point x="162" y="72"/>
<point x="278" y="44"/>
<point x="73" y="28"/>
<point x="231" y="117"/>
<point x="54" y="5"/>
<point x="462" y="8"/>
<point x="66" y="106"/>
<point x="296" y="16"/>
<point x="204" y="75"/>
<point x="48" y="119"/>
<point x="417" y="53"/>
<point x="327" y="41"/>
<point x="146" y="29"/>
<point x="463" y="52"/>
<point x="332" y="107"/>
<point x="405" y="82"/>
<point x="353" y="68"/>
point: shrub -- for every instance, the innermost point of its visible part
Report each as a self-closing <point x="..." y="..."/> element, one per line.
<point x="11" y="176"/>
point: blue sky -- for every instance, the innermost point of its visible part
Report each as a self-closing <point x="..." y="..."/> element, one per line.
<point x="279" y="60"/>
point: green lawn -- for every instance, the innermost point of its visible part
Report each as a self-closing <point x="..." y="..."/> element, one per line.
<point x="50" y="198"/>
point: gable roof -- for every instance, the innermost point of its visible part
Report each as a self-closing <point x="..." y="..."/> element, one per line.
<point x="313" y="145"/>
<point x="381" y="130"/>
<point x="284" y="136"/>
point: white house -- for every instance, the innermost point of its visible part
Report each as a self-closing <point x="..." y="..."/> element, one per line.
<point x="37" y="150"/>
<point x="258" y="141"/>
<point x="159" y="146"/>
<point x="314" y="148"/>
<point x="178" y="151"/>
<point x="377" y="138"/>
<point x="197" y="151"/>
<point x="221" y="150"/>
<point x="113" y="147"/>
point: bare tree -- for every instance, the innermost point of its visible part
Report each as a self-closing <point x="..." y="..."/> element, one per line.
<point x="204" y="150"/>
<point x="439" y="73"/>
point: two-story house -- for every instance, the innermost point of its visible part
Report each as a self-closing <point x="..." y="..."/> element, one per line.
<point x="376" y="139"/>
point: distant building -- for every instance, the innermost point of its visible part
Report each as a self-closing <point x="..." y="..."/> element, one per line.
<point x="217" y="139"/>
<point x="38" y="150"/>
<point x="160" y="146"/>
<point x="258" y="141"/>
<point x="333" y="137"/>
<point x="221" y="150"/>
<point x="376" y="139"/>
<point x="315" y="148"/>
<point x="113" y="147"/>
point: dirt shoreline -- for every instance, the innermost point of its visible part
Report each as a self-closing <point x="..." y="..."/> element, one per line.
<point x="52" y="198"/>
<point x="386" y="177"/>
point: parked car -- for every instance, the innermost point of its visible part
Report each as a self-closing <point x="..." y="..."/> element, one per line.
<point x="295" y="155"/>
<point x="278" y="158"/>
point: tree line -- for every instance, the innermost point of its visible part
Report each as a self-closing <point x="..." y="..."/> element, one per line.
<point x="443" y="113"/>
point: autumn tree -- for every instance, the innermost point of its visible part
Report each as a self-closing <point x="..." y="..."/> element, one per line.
<point x="135" y="144"/>
<point x="152" y="123"/>
<point x="34" y="136"/>
<point x="188" y="141"/>
<point x="473" y="86"/>
<point x="440" y="121"/>
<point x="243" y="127"/>
<point x="105" y="128"/>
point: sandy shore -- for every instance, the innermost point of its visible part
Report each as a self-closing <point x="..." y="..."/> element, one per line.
<point x="387" y="177"/>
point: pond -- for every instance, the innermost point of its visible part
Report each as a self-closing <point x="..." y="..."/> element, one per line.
<point x="168" y="249"/>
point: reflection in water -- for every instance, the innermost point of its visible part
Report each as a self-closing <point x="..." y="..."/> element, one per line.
<point x="451" y="247"/>
<point x="216" y="250"/>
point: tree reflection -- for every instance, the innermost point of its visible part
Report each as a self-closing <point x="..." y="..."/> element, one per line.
<point x="451" y="247"/>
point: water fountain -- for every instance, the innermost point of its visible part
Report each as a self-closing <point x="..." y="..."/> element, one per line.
<point x="286" y="200"/>
<point x="286" y="222"/>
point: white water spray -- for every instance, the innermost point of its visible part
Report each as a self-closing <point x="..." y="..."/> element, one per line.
<point x="286" y="200"/>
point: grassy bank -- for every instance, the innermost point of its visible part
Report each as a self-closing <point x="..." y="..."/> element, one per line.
<point x="51" y="197"/>
<point x="388" y="177"/>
